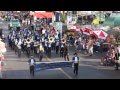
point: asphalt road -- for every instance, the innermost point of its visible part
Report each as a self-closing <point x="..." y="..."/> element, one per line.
<point x="89" y="68"/>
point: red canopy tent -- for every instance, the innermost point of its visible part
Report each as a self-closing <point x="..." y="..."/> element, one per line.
<point x="75" y="28"/>
<point x="43" y="14"/>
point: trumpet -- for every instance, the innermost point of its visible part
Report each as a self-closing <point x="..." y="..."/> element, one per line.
<point x="63" y="40"/>
<point x="51" y="39"/>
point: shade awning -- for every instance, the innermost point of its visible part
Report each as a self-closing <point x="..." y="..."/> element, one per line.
<point x="43" y="14"/>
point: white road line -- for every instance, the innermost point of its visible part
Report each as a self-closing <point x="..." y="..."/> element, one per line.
<point x="65" y="73"/>
<point x="60" y="69"/>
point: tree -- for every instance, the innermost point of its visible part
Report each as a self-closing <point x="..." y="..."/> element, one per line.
<point x="63" y="17"/>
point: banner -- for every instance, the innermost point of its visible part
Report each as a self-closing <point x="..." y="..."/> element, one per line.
<point x="69" y="22"/>
<point x="52" y="65"/>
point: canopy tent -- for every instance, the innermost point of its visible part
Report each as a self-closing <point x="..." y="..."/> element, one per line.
<point x="74" y="28"/>
<point x="43" y="14"/>
<point x="100" y="34"/>
<point x="113" y="21"/>
<point x="86" y="31"/>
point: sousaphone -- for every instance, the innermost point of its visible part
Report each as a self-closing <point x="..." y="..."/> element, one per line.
<point x="51" y="39"/>
<point x="63" y="40"/>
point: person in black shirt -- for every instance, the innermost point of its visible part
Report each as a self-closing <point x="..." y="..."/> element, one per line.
<point x="75" y="63"/>
<point x="31" y="62"/>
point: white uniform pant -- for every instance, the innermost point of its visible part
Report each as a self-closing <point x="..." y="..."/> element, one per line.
<point x="91" y="50"/>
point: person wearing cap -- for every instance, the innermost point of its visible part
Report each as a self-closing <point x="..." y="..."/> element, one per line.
<point x="31" y="62"/>
<point x="75" y="63"/>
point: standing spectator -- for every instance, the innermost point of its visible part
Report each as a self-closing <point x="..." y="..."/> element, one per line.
<point x="75" y="63"/>
<point x="117" y="55"/>
<point x="1" y="63"/>
<point x="113" y="55"/>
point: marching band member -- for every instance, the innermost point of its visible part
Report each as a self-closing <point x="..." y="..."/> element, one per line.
<point x="35" y="47"/>
<point x="41" y="52"/>
<point x="61" y="49"/>
<point x="38" y="44"/>
<point x="28" y="47"/>
<point x="19" y="47"/>
<point x="24" y="45"/>
<point x="57" y="46"/>
<point x="53" y="43"/>
<point x="13" y="42"/>
<point x="16" y="42"/>
<point x="45" y="46"/>
<point x="66" y="56"/>
<point x="43" y="40"/>
<point x="9" y="39"/>
<point x="38" y="38"/>
<point x="49" y="49"/>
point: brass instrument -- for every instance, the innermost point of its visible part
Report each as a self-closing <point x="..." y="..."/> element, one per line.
<point x="51" y="39"/>
<point x="63" y="40"/>
<point x="28" y="40"/>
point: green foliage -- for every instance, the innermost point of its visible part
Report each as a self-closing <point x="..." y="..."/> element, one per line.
<point x="62" y="18"/>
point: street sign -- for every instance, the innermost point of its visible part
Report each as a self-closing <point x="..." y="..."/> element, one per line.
<point x="52" y="65"/>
